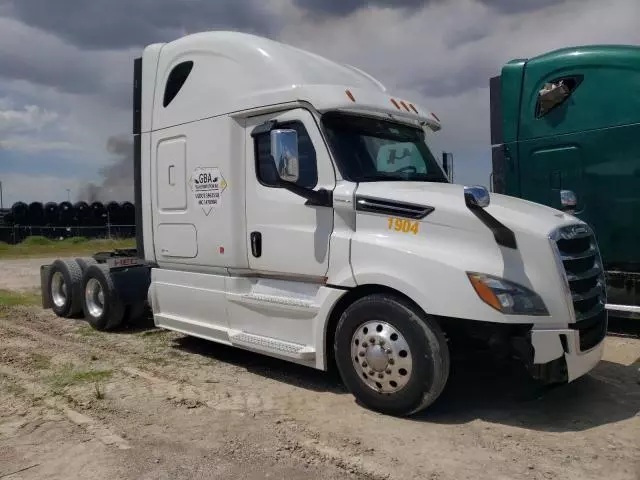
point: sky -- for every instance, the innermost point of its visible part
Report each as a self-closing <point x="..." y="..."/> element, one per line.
<point x="66" y="70"/>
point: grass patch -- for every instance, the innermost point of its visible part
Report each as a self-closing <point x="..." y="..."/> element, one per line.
<point x="41" y="362"/>
<point x="9" y="385"/>
<point x="75" y="246"/>
<point x="75" y="240"/>
<point x="87" y="331"/>
<point x="68" y="375"/>
<point x="10" y="298"/>
<point x="36" y="240"/>
<point x="98" y="391"/>
<point x="158" y="335"/>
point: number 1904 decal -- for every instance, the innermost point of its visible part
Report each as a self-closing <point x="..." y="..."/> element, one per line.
<point x="403" y="225"/>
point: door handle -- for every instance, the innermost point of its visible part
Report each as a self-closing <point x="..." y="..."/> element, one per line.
<point x="256" y="244"/>
<point x="508" y="160"/>
<point x="171" y="180"/>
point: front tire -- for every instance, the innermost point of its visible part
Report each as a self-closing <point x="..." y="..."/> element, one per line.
<point x="392" y="357"/>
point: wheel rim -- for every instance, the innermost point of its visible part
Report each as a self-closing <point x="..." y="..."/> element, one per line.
<point x="94" y="296"/>
<point x="58" y="290"/>
<point x="381" y="356"/>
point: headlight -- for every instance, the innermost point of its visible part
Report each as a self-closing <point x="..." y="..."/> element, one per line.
<point x="507" y="297"/>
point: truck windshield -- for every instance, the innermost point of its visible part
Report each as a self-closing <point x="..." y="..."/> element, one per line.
<point x="370" y="150"/>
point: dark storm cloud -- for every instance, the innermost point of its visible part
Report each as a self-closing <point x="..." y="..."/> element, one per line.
<point x="519" y="6"/>
<point x="26" y="54"/>
<point x="345" y="7"/>
<point x="59" y="73"/>
<point x="115" y="24"/>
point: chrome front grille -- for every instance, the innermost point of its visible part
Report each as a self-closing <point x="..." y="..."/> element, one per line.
<point x="578" y="253"/>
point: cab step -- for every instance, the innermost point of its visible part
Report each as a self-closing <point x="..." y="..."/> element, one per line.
<point x="261" y="344"/>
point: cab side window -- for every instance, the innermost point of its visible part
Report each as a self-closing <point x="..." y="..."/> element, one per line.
<point x="267" y="174"/>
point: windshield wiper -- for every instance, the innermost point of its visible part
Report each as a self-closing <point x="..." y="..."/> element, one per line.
<point x="381" y="178"/>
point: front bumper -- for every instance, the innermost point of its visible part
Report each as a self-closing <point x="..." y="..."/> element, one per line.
<point x="564" y="345"/>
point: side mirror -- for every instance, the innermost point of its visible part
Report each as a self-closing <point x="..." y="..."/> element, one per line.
<point x="476" y="196"/>
<point x="284" y="151"/>
<point x="568" y="200"/>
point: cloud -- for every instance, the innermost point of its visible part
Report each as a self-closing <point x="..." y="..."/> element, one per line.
<point x="30" y="117"/>
<point x="30" y="129"/>
<point x="29" y="54"/>
<point x="444" y="55"/>
<point x="73" y="58"/>
<point x="519" y="6"/>
<point x="116" y="24"/>
<point x="32" y="145"/>
<point x="345" y="7"/>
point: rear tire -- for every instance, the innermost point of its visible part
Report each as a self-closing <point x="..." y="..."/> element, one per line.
<point x="101" y="303"/>
<point x="86" y="262"/>
<point x="64" y="283"/>
<point x="392" y="357"/>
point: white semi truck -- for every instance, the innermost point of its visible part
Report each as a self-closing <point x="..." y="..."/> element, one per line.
<point x="290" y="205"/>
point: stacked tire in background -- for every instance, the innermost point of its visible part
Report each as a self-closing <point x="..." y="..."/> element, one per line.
<point x="65" y="214"/>
<point x="64" y="219"/>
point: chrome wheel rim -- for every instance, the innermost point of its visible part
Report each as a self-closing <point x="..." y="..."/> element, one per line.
<point x="58" y="290"/>
<point x="381" y="356"/>
<point x="94" y="296"/>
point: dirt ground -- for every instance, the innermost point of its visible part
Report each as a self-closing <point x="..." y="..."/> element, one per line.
<point x="146" y="403"/>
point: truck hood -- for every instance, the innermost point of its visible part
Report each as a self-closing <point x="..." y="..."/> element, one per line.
<point x="450" y="209"/>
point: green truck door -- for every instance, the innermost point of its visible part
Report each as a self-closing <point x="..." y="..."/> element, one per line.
<point x="548" y="168"/>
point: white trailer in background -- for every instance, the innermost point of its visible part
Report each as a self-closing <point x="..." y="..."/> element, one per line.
<point x="290" y="205"/>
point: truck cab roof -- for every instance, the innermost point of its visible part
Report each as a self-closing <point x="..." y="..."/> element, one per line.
<point x="221" y="72"/>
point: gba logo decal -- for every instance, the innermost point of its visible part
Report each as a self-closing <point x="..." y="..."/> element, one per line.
<point x="207" y="185"/>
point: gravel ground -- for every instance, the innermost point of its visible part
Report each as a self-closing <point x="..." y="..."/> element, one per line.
<point x="21" y="275"/>
<point x="146" y="403"/>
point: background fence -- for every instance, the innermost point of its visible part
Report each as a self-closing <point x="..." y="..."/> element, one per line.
<point x="17" y="234"/>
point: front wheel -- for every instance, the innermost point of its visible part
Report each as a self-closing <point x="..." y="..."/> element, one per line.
<point x="393" y="358"/>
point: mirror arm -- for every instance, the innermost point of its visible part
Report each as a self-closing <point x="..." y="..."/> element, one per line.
<point x="315" y="198"/>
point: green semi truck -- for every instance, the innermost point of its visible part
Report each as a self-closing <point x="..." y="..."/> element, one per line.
<point x="565" y="132"/>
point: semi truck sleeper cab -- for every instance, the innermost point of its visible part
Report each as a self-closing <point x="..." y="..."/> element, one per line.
<point x="290" y="205"/>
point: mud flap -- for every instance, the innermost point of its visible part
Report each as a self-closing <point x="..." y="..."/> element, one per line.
<point x="45" y="293"/>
